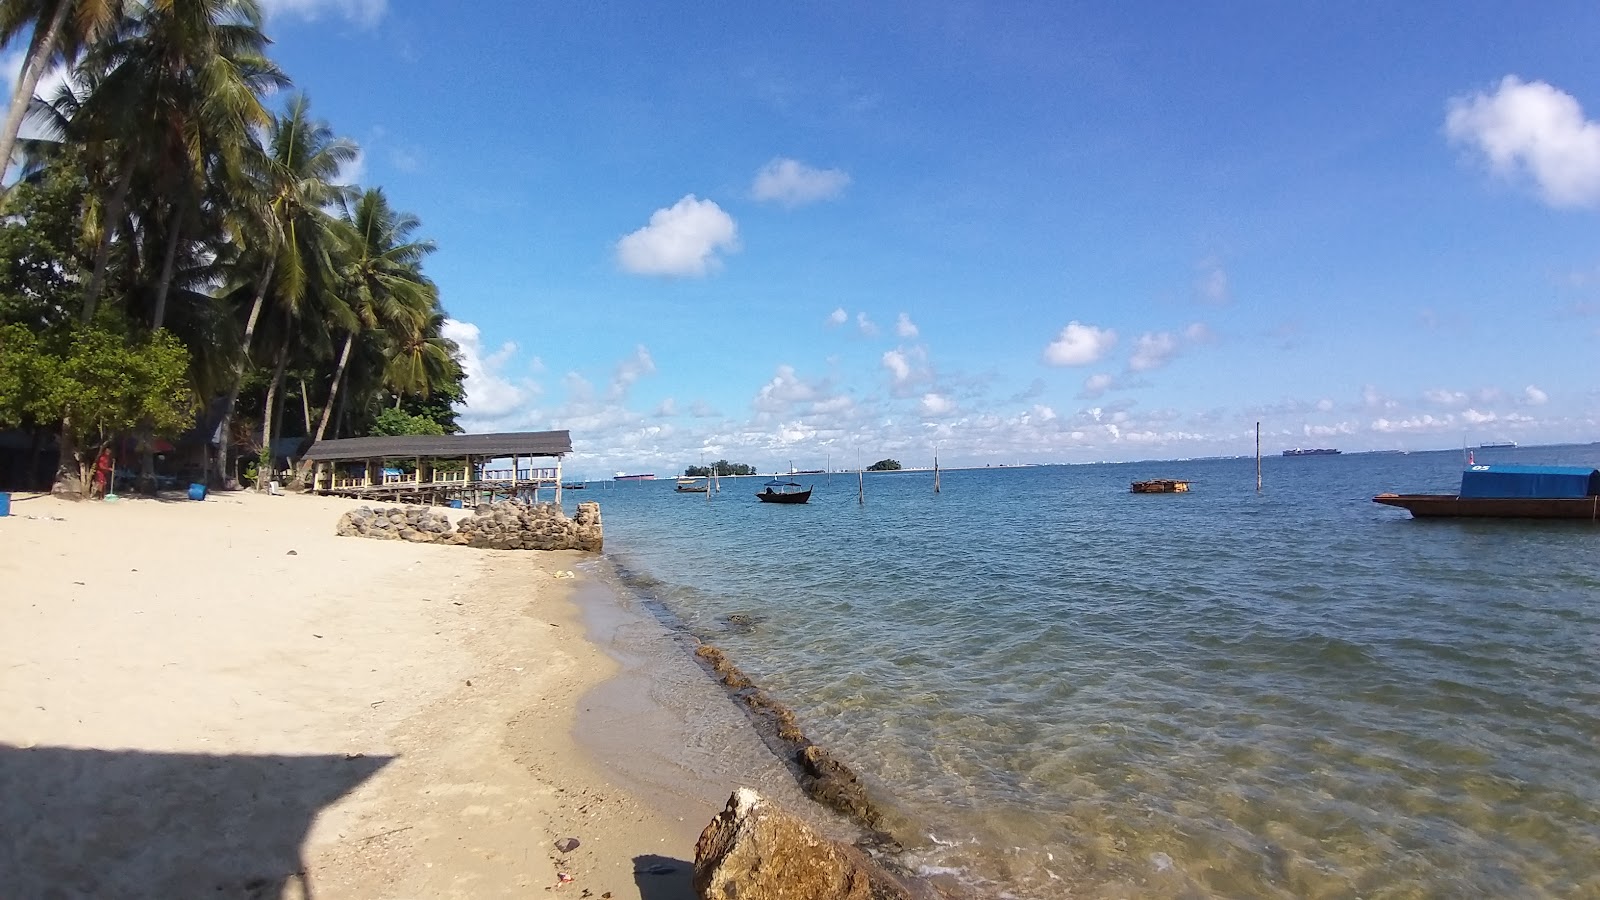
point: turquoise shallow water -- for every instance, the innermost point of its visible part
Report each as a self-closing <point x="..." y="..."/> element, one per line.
<point x="1065" y="689"/>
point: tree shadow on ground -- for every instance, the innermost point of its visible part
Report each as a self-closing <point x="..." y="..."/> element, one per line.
<point x="663" y="878"/>
<point x="131" y="823"/>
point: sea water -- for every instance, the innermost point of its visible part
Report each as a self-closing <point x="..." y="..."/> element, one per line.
<point x="1061" y="688"/>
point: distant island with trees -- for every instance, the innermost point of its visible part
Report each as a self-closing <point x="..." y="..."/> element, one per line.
<point x="719" y="468"/>
<point x="885" y="465"/>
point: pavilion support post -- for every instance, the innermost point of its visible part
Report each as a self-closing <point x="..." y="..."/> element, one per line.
<point x="558" y="481"/>
<point x="516" y="479"/>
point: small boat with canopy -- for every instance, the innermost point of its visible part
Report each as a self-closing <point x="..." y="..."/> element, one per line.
<point x="778" y="491"/>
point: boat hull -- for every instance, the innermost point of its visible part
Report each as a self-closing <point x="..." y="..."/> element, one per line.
<point x="795" y="497"/>
<point x="692" y="490"/>
<point x="1448" y="506"/>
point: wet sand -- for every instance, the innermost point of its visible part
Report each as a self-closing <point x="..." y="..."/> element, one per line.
<point x="225" y="698"/>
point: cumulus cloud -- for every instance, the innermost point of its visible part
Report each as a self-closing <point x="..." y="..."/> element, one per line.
<point x="866" y="325"/>
<point x="1152" y="351"/>
<point x="933" y="404"/>
<point x="361" y="12"/>
<point x="1534" y="130"/>
<point x="493" y="398"/>
<point x="904" y="327"/>
<point x="1199" y="333"/>
<point x="682" y="239"/>
<point x="899" y="367"/>
<point x="793" y="183"/>
<point x="784" y="391"/>
<point x="838" y="317"/>
<point x="1372" y="398"/>
<point x="1532" y="396"/>
<point x="1079" y="345"/>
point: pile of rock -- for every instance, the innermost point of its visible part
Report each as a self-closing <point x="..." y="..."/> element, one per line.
<point x="418" y="524"/>
<point x="500" y="526"/>
<point x="540" y="526"/>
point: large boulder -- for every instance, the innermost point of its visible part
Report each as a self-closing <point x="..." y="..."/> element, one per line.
<point x="753" y="849"/>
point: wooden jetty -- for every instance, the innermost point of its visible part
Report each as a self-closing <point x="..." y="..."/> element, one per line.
<point x="469" y="468"/>
<point x="1161" y="486"/>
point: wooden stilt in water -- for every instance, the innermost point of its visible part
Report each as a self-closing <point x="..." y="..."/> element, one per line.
<point x="861" y="487"/>
<point x="936" y="474"/>
<point x="1258" y="457"/>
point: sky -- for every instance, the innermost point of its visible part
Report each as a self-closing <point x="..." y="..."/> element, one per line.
<point x="823" y="234"/>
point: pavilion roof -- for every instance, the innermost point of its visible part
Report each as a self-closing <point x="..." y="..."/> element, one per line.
<point x="450" y="446"/>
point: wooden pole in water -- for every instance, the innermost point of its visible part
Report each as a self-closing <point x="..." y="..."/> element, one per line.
<point x="1258" y="457"/>
<point x="936" y="474"/>
<point x="861" y="487"/>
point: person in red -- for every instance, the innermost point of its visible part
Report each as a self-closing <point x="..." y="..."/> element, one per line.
<point x="103" y="468"/>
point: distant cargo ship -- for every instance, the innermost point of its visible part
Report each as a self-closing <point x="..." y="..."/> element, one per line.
<point x="625" y="477"/>
<point x="1498" y="445"/>
<point x="1316" y="452"/>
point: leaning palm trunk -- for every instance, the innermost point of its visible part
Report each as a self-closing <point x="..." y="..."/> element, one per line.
<point x="269" y="419"/>
<point x="223" y="479"/>
<point x="159" y="317"/>
<point x="108" y="230"/>
<point x="333" y="394"/>
<point x="38" y="56"/>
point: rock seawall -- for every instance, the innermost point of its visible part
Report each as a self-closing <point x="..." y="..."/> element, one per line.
<point x="500" y="526"/>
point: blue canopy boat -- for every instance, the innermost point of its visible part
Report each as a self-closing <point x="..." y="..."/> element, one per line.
<point x="1511" y="492"/>
<point x="776" y="491"/>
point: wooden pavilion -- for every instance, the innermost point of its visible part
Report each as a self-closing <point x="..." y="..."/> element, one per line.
<point x="448" y="467"/>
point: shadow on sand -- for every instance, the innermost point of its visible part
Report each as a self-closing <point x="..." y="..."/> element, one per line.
<point x="129" y="823"/>
<point x="663" y="878"/>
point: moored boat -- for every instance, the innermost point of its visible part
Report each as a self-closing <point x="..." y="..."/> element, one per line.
<point x="621" y="476"/>
<point x="687" y="485"/>
<point x="776" y="491"/>
<point x="1511" y="492"/>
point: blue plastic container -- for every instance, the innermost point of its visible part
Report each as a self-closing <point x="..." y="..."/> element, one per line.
<point x="197" y="492"/>
<point x="5" y="504"/>
<point x="455" y="504"/>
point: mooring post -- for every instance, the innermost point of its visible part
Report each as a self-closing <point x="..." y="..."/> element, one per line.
<point x="1258" y="457"/>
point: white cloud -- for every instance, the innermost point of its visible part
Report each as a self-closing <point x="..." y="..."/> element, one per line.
<point x="838" y="317"/>
<point x="1325" y="405"/>
<point x="1079" y="345"/>
<point x="793" y="183"/>
<point x="1532" y="129"/>
<point x="682" y="239"/>
<point x="1152" y="351"/>
<point x="1473" y="417"/>
<point x="1442" y="397"/>
<point x="897" y="364"/>
<point x="630" y="370"/>
<point x="1211" y="282"/>
<point x="353" y="172"/>
<point x="493" y="400"/>
<point x="1199" y="333"/>
<point x="904" y="327"/>
<point x="867" y="326"/>
<point x="1096" y="384"/>
<point x="1372" y="398"/>
<point x="784" y="391"/>
<point x="1532" y="396"/>
<point x="933" y="404"/>
<point x="361" y="12"/>
<point x="1414" y="423"/>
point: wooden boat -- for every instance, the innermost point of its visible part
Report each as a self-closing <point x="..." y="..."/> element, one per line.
<point x="1161" y="486"/>
<point x="688" y="485"/>
<point x="1510" y="492"/>
<point x="776" y="491"/>
<point x="573" y="486"/>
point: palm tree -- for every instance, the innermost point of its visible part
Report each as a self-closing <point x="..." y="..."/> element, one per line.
<point x="289" y="236"/>
<point x="60" y="30"/>
<point x="383" y="284"/>
<point x="423" y="361"/>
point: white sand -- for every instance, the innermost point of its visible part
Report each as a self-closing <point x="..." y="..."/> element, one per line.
<point x="187" y="709"/>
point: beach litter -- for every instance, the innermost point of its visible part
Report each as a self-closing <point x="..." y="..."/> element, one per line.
<point x="562" y="574"/>
<point x="567" y="845"/>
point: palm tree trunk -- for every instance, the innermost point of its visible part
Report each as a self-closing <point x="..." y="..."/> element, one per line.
<point x="238" y="375"/>
<point x="305" y="405"/>
<point x="269" y="415"/>
<point x="69" y="474"/>
<point x="39" y="55"/>
<point x="333" y="388"/>
<point x="401" y="395"/>
<point x="159" y="318"/>
<point x="108" y="231"/>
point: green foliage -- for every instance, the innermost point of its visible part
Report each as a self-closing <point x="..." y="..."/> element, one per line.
<point x="95" y="381"/>
<point x="720" y="467"/>
<point x="394" y="421"/>
<point x="41" y="262"/>
<point x="885" y="465"/>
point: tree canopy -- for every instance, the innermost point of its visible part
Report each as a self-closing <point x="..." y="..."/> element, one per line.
<point x="721" y="468"/>
<point x="884" y="465"/>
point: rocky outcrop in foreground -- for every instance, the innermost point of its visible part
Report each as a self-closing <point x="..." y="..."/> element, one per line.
<point x="501" y="526"/>
<point x="754" y="849"/>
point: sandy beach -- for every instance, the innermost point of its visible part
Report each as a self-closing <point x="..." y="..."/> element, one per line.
<point x="225" y="699"/>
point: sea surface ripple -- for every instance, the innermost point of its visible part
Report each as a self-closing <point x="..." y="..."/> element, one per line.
<point x="1066" y="689"/>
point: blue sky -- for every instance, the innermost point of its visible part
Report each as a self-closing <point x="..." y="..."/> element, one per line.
<point x="1030" y="232"/>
